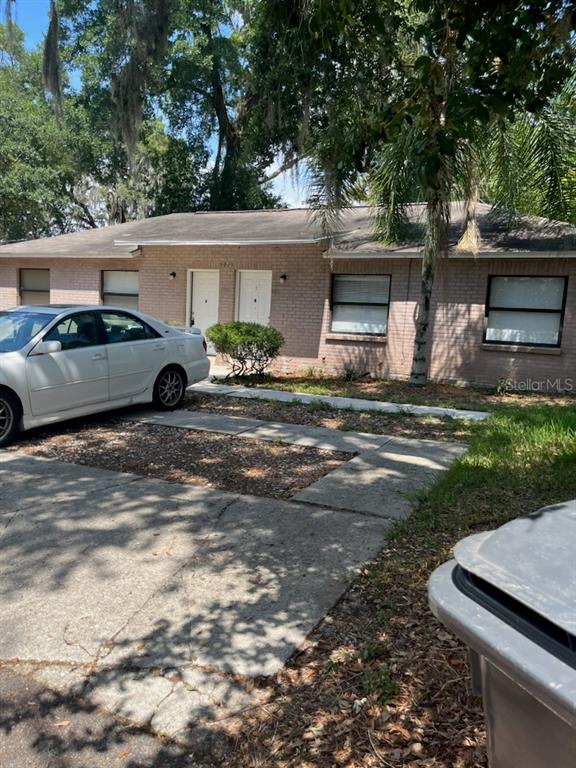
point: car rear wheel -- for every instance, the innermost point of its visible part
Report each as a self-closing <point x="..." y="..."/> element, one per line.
<point x="169" y="389"/>
<point x="9" y="417"/>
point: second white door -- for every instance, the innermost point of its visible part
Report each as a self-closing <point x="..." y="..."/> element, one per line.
<point x="254" y="296"/>
<point x="205" y="295"/>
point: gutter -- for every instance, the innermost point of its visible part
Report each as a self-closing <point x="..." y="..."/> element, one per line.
<point x="452" y="255"/>
<point x="140" y="243"/>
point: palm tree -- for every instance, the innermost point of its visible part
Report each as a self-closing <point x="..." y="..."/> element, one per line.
<point x="522" y="166"/>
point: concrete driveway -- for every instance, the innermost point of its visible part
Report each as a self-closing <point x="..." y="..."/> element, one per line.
<point x="160" y="601"/>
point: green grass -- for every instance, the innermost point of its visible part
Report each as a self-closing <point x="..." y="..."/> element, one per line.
<point x="519" y="460"/>
<point x="378" y="683"/>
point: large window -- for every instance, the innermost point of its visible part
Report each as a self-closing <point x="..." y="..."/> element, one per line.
<point x="34" y="286"/>
<point x="360" y="304"/>
<point x="525" y="310"/>
<point x="120" y="288"/>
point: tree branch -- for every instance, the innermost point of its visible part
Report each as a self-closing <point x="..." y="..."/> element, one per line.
<point x="284" y="167"/>
<point x="87" y="218"/>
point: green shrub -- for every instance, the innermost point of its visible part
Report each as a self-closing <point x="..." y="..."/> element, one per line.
<point x="248" y="348"/>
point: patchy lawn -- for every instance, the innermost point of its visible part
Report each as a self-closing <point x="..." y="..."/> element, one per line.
<point x="380" y="683"/>
<point x="445" y="395"/>
<point x="320" y="414"/>
<point x="233" y="464"/>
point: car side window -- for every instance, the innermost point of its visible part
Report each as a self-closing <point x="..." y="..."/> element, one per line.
<point x="122" y="327"/>
<point x="76" y="331"/>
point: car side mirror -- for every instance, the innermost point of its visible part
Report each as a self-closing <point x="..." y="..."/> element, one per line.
<point x="47" y="348"/>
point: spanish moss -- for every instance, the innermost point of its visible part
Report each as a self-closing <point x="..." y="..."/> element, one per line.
<point x="51" y="69"/>
<point x="147" y="27"/>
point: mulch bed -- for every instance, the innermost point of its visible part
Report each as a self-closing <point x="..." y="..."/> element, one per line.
<point x="402" y="425"/>
<point x="378" y="684"/>
<point x="240" y="465"/>
<point x="400" y="391"/>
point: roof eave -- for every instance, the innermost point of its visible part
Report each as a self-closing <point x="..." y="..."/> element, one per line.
<point x="335" y="253"/>
<point x="261" y="241"/>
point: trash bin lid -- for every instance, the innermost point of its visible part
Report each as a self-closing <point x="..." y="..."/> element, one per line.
<point x="532" y="560"/>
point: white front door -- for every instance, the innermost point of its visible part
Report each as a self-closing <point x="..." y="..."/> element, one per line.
<point x="254" y="296"/>
<point x="204" y="290"/>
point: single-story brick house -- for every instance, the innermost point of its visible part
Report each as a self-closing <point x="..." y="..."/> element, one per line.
<point x="506" y="312"/>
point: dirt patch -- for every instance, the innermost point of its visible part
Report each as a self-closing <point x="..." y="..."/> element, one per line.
<point x="239" y="465"/>
<point x="320" y="415"/>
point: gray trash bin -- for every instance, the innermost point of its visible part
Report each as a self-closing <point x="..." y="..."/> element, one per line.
<point x="510" y="595"/>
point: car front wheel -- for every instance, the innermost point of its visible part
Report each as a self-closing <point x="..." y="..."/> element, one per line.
<point x="9" y="417"/>
<point x="169" y="389"/>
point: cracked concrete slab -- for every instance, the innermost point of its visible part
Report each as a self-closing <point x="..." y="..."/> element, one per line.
<point x="181" y="703"/>
<point x="267" y="574"/>
<point x="159" y="602"/>
<point x="381" y="482"/>
<point x="122" y="574"/>
<point x="173" y="703"/>
<point x="40" y="728"/>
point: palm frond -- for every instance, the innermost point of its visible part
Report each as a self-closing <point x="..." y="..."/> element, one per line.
<point x="532" y="161"/>
<point x="393" y="183"/>
<point x="553" y="144"/>
<point x="332" y="189"/>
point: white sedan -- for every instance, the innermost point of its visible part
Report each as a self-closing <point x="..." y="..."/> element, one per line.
<point x="60" y="362"/>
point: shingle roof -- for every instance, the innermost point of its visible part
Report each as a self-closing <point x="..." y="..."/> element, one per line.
<point x="120" y="240"/>
<point x="355" y="238"/>
<point x="530" y="236"/>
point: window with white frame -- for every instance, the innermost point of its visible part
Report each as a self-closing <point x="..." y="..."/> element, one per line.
<point x="525" y="311"/>
<point x="34" y="286"/>
<point x="120" y="288"/>
<point x="360" y="304"/>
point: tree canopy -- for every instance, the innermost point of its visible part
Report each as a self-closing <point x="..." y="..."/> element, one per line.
<point x="401" y="102"/>
<point x="185" y="60"/>
<point x="188" y="104"/>
<point x="130" y="108"/>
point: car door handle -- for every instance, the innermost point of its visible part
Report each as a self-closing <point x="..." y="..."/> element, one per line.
<point x="159" y="346"/>
<point x="99" y="356"/>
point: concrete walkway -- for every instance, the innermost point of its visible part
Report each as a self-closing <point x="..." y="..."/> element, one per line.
<point x="345" y="403"/>
<point x="380" y="480"/>
<point x="273" y="431"/>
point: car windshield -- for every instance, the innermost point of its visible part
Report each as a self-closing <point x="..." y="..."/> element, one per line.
<point x="18" y="328"/>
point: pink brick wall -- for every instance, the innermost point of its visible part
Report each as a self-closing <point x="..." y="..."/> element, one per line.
<point x="71" y="281"/>
<point x="300" y="306"/>
<point x="8" y="285"/>
<point x="459" y="307"/>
